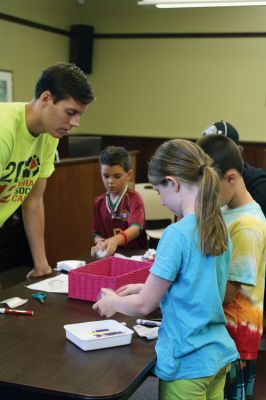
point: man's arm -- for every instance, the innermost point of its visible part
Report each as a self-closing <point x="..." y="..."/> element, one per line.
<point x="33" y="218"/>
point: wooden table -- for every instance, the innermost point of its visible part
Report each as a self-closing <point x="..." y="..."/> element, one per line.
<point x="38" y="362"/>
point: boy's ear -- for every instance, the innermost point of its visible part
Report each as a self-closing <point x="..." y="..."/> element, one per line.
<point x="130" y="174"/>
<point x="231" y="176"/>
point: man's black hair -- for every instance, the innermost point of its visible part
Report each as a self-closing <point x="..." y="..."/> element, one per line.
<point x="65" y="80"/>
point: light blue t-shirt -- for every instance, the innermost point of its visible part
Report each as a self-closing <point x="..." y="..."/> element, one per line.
<point x="193" y="341"/>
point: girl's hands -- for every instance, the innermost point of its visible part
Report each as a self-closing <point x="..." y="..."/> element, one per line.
<point x="133" y="300"/>
<point x="105" y="306"/>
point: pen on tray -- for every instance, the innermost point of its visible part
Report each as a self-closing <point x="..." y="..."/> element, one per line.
<point x="107" y="334"/>
<point x="15" y="312"/>
<point x="148" y="323"/>
<point x="112" y="333"/>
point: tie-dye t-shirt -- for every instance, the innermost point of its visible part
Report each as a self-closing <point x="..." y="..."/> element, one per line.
<point x="247" y="228"/>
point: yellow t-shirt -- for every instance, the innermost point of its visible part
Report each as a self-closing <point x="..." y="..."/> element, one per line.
<point x="23" y="158"/>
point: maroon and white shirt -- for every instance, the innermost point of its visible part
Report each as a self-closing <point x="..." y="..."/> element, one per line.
<point x="130" y="211"/>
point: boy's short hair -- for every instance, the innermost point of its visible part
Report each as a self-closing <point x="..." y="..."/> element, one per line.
<point x="224" y="152"/>
<point x="222" y="128"/>
<point x="65" y="80"/>
<point x="116" y="155"/>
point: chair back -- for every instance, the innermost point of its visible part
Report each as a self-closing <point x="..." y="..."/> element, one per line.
<point x="154" y="210"/>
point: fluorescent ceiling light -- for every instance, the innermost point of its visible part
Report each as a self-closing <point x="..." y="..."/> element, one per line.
<point x="200" y="3"/>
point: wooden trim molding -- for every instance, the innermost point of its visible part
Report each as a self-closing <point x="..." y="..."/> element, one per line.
<point x="152" y="35"/>
<point x="254" y="153"/>
<point x="34" y="25"/>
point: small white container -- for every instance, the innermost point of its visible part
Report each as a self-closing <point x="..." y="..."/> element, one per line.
<point x="98" y="334"/>
<point x="69" y="265"/>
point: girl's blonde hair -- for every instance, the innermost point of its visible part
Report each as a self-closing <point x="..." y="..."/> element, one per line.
<point x="188" y="163"/>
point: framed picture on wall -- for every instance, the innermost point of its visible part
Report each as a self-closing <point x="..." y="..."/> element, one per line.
<point x="6" y="85"/>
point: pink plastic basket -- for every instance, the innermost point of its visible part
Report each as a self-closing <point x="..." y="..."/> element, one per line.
<point x="85" y="283"/>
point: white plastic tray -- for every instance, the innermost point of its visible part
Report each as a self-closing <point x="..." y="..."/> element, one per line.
<point x="98" y="334"/>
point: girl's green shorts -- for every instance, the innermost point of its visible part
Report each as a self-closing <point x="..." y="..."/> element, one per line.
<point x="208" y="388"/>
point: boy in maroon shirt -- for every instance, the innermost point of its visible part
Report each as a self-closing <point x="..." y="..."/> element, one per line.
<point x="118" y="215"/>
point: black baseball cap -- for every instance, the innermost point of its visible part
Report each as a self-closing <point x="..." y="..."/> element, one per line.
<point x="222" y="128"/>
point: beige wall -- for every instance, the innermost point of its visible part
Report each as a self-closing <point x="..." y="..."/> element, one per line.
<point x="26" y="52"/>
<point x="149" y="87"/>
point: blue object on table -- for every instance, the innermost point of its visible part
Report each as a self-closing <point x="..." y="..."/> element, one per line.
<point x="40" y="296"/>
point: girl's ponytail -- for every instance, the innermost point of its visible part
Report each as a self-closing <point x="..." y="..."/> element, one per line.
<point x="188" y="163"/>
<point x="211" y="226"/>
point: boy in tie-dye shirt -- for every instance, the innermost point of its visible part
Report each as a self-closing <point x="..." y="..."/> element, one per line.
<point x="243" y="304"/>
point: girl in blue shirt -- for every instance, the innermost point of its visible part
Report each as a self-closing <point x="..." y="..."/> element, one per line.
<point x="188" y="278"/>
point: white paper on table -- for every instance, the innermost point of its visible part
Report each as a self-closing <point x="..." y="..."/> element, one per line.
<point x="14" y="302"/>
<point x="148" y="256"/>
<point x="57" y="284"/>
<point x="149" y="333"/>
<point x="69" y="265"/>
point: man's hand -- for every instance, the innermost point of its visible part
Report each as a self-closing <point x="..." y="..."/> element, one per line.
<point x="37" y="273"/>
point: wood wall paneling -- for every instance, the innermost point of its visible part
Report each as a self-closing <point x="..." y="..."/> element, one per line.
<point x="68" y="200"/>
<point x="68" y="209"/>
<point x="253" y="153"/>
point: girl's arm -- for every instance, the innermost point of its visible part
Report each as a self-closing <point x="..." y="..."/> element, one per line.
<point x="131" y="288"/>
<point x="140" y="304"/>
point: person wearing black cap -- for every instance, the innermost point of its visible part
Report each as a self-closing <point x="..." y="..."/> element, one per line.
<point x="254" y="178"/>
